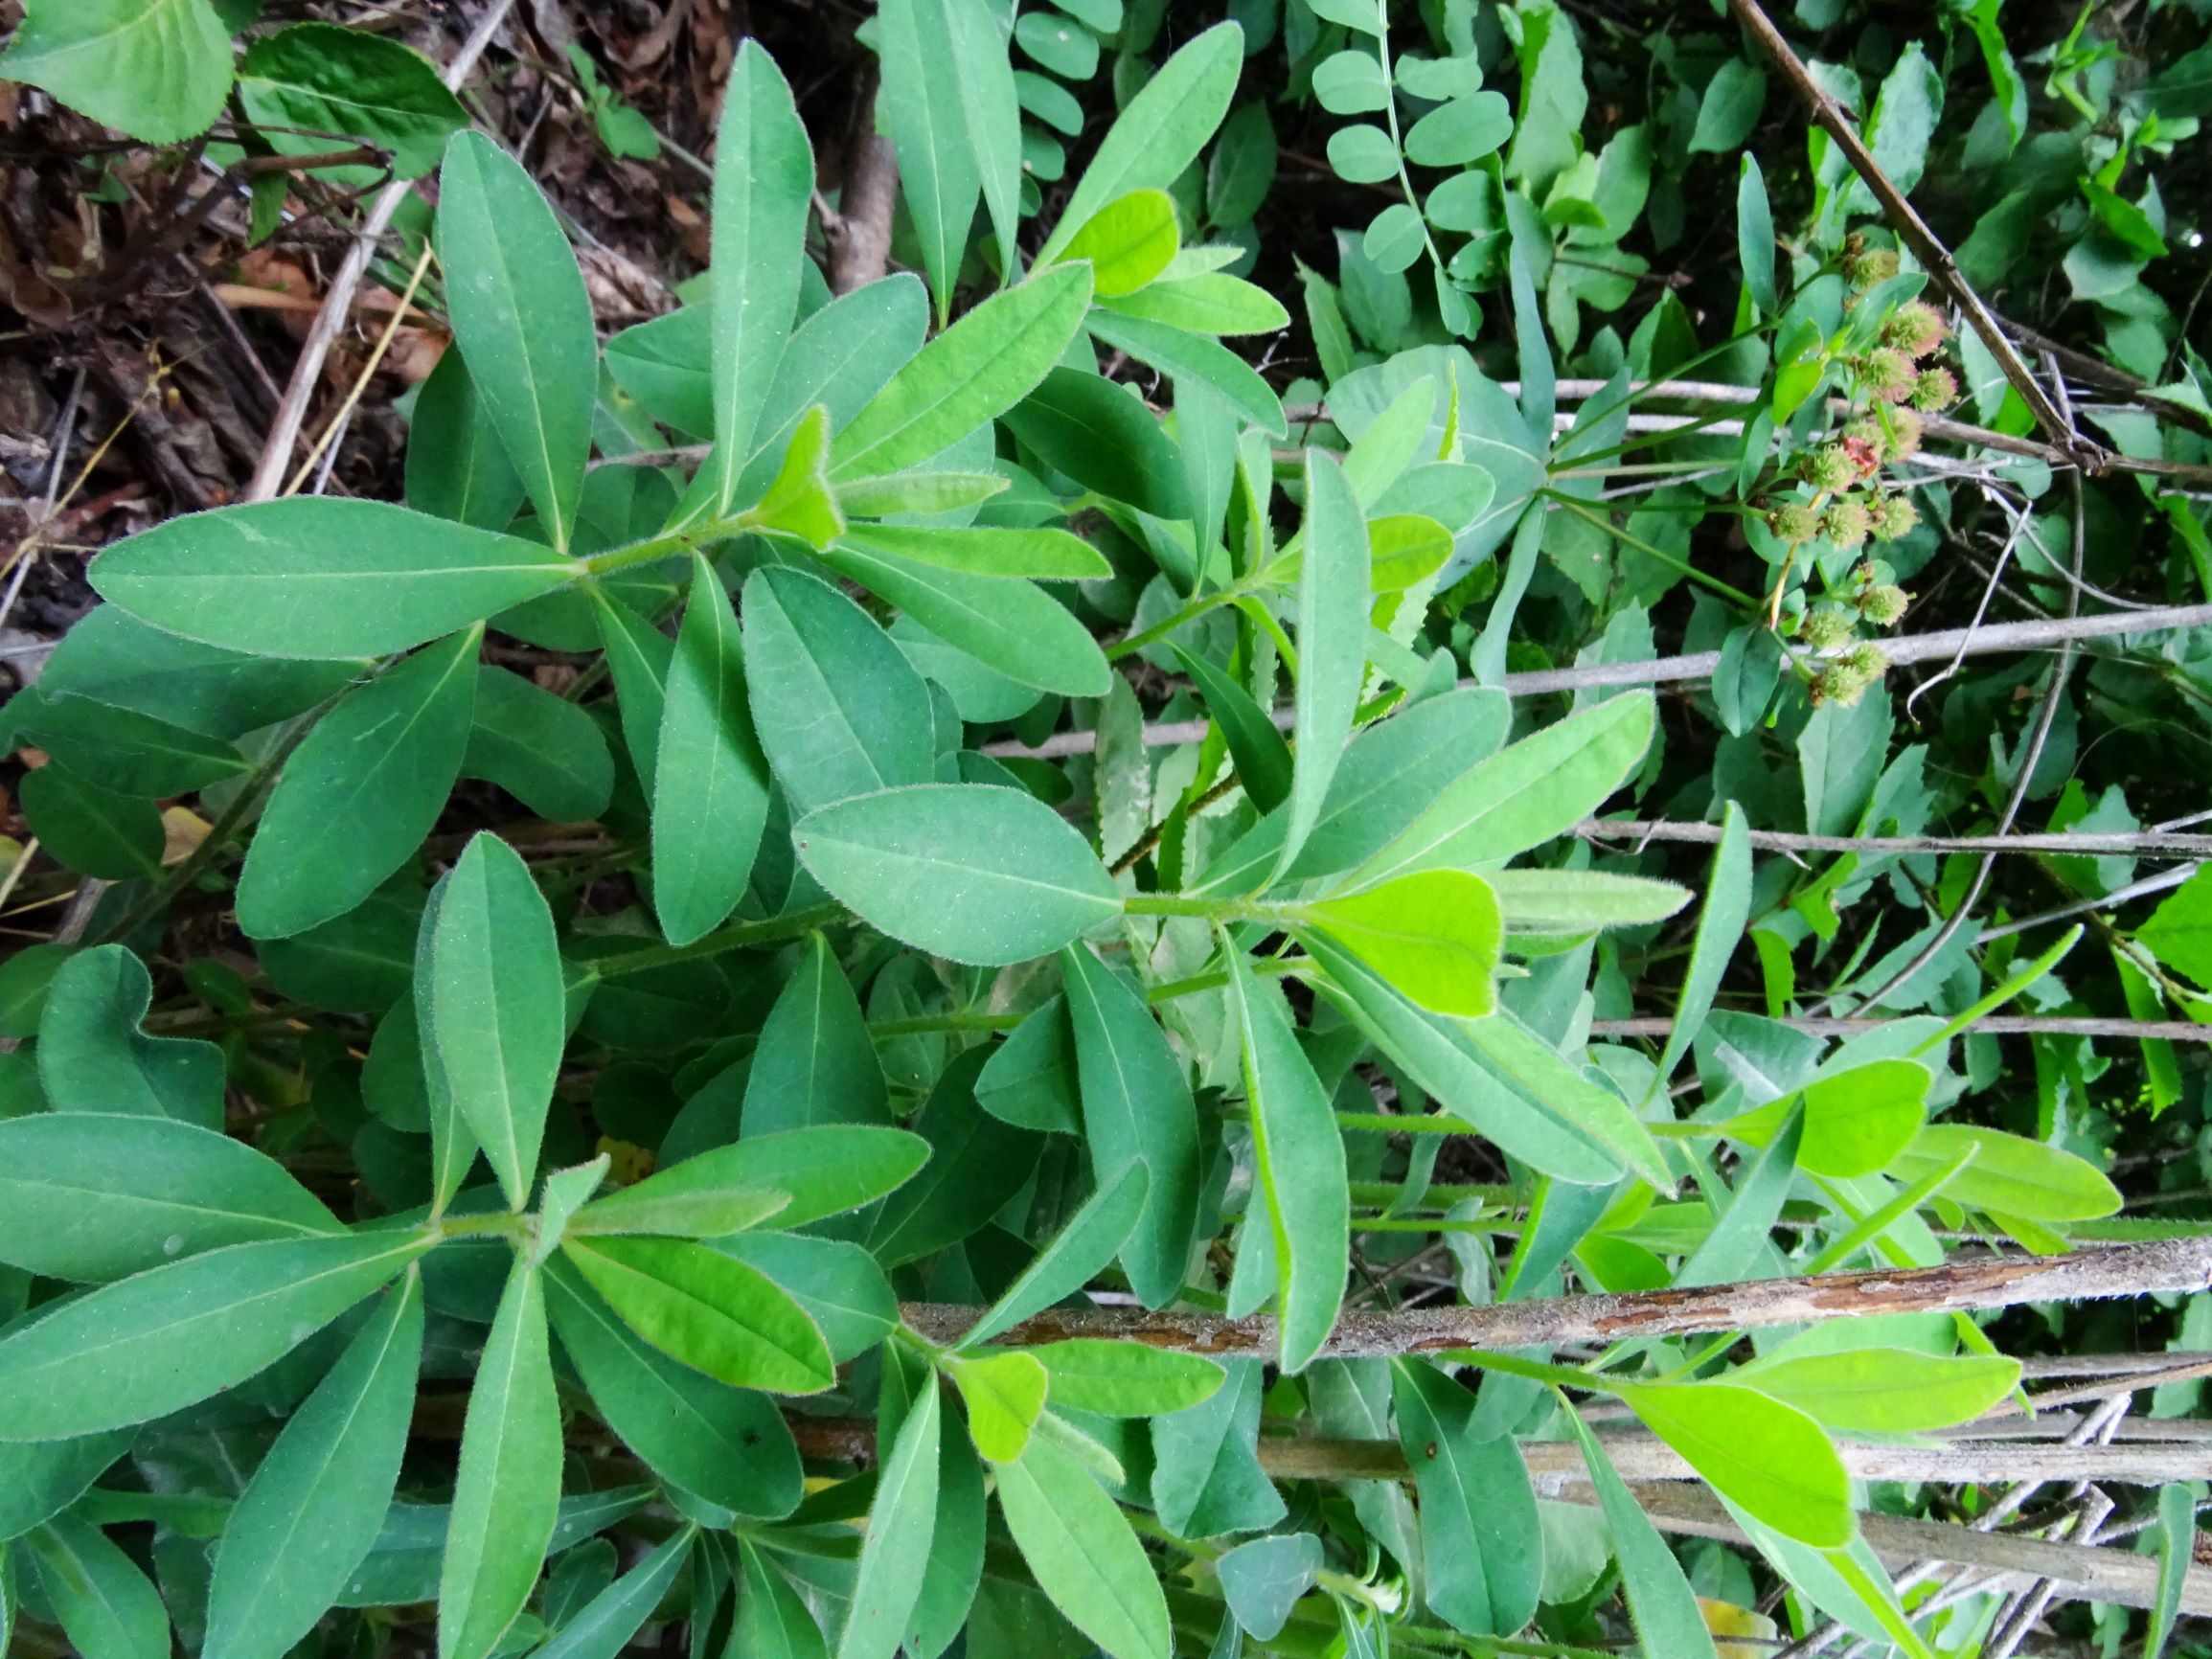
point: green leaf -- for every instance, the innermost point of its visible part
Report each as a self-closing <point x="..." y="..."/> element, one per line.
<point x="453" y="1144"/>
<point x="1126" y="1379"/>
<point x="507" y="1495"/>
<point x="170" y="1337"/>
<point x="825" y="1170"/>
<point x="815" y="1062"/>
<point x="710" y="778"/>
<point x="360" y="793"/>
<point x="975" y="873"/>
<point x="1756" y="1451"/>
<point x="895" y="1554"/>
<point x="1661" y="1603"/>
<point x="1333" y="600"/>
<point x="1209" y="303"/>
<point x="122" y="749"/>
<point x="714" y="1313"/>
<point x="1434" y="936"/>
<point x="1481" y="1540"/>
<point x="1155" y="334"/>
<point x="1030" y="1080"/>
<point x="492" y="1010"/>
<point x="317" y="1500"/>
<point x="1440" y="1056"/>
<point x="1581" y="901"/>
<point x="523" y="320"/>
<point x="956" y="1552"/>
<point x="2010" y="1175"/>
<point x="540" y="748"/>
<point x="1159" y="134"/>
<point x="2177" y="1550"/>
<point x="1044" y="552"/>
<point x="1730" y="108"/>
<point x="107" y="1608"/>
<point x="838" y="708"/>
<point x="1857" y="1120"/>
<point x="457" y="467"/>
<point x="305" y="84"/>
<point x="1009" y="624"/>
<point x="1101" y="436"/>
<point x="92" y="830"/>
<point x="929" y="493"/>
<point x="1263" y="1580"/>
<point x="839" y="1285"/>
<point x="1004" y="1394"/>
<point x="763" y="190"/>
<point x="1263" y="759"/>
<point x="1071" y="1259"/>
<point x="973" y="372"/>
<point x="924" y="95"/>
<point x="772" y="1621"/>
<point x="973" y="1159"/>
<point x="1137" y="1108"/>
<point x="1755" y="236"/>
<point x="1206" y="1475"/>
<point x="1523" y="795"/>
<point x="2179" y="931"/>
<point x="91" y="1053"/>
<point x="1459" y="132"/>
<point x="321" y="576"/>
<point x="729" y="1446"/>
<point x="605" y="1627"/>
<point x="155" y="70"/>
<point x="638" y="657"/>
<point x="1128" y="242"/>
<point x="95" y="1196"/>
<point x="1298" y="1161"/>
<point x="41" y="1478"/>
<point x="799" y="501"/>
<point x="1082" y="1553"/>
<point x="1720" y="930"/>
<point x="1885" y="1390"/>
<point x="1739" y="1237"/>
<point x="110" y="656"/>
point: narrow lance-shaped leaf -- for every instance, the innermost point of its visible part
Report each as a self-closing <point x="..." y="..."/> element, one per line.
<point x="603" y="1628"/>
<point x="815" y="1062"/>
<point x="1661" y="1603"/>
<point x="895" y="1555"/>
<point x="493" y="1011"/>
<point x="1720" y="930"/>
<point x="506" y="1497"/>
<point x="1071" y="1257"/>
<point x="1160" y="133"/>
<point x="523" y="319"/>
<point x="1481" y="1542"/>
<point x="1333" y="600"/>
<point x="710" y="778"/>
<point x="317" y="1501"/>
<point x="361" y="792"/>
<point x="106" y="1605"/>
<point x="1298" y="1154"/>
<point x="1082" y="1553"/>
<point x="923" y="91"/>
<point x="764" y="186"/>
<point x="714" y="1313"/>
<point x="322" y="576"/>
<point x="170" y="1337"/>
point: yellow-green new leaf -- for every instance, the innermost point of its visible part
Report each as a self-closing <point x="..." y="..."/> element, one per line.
<point x="1126" y="1379"/>
<point x="1755" y="1451"/>
<point x="2010" y="1175"/>
<point x="1886" y="1390"/>
<point x="1005" y="1395"/>
<point x="1128" y="242"/>
<point x="1044" y="552"/>
<point x="1857" y="1121"/>
<point x="1434" y="935"/>
<point x="799" y="501"/>
<point x="1579" y="901"/>
<point x="714" y="1313"/>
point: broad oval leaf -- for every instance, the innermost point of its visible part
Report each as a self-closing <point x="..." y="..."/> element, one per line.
<point x="158" y="70"/>
<point x="322" y="576"/>
<point x="2009" y="1174"/>
<point x="826" y="1169"/>
<point x="1755" y="1451"/>
<point x="1481" y="1540"/>
<point x="1126" y="1379"/>
<point x="1885" y="1390"/>
<point x="1434" y="935"/>
<point x="715" y="1314"/>
<point x="1128" y="242"/>
<point x="1082" y="1553"/>
<point x="975" y="873"/>
<point x="1101" y="436"/>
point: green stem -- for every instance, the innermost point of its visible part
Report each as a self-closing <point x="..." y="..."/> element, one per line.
<point x="1175" y="904"/>
<point x="738" y="936"/>
<point x="1680" y="565"/>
